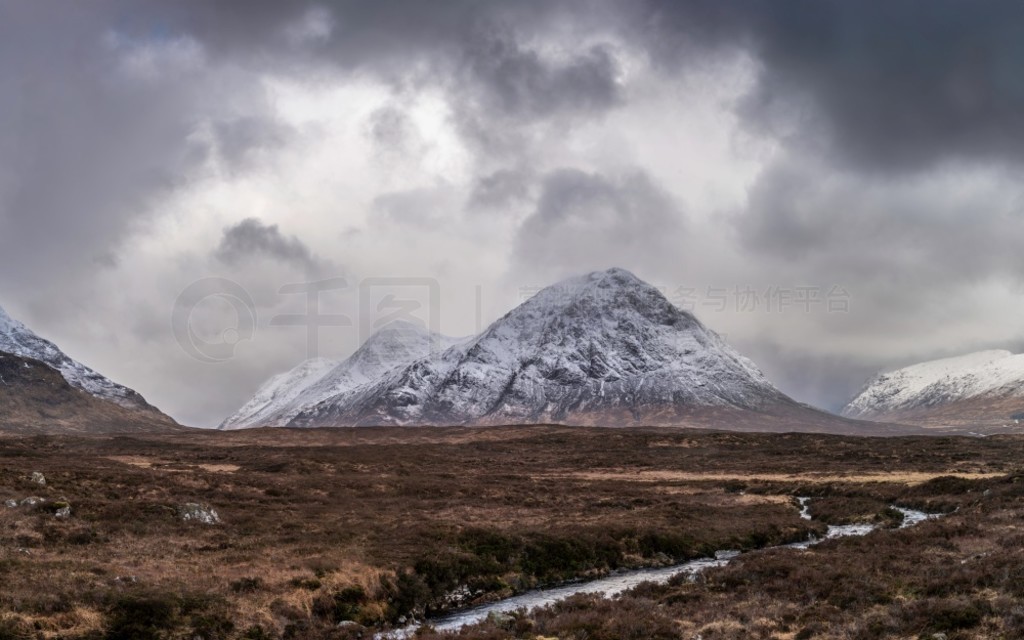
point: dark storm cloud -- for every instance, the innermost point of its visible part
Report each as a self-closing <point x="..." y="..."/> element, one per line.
<point x="877" y="85"/>
<point x="250" y="239"/>
<point x="581" y="219"/>
<point x="518" y="82"/>
<point x="881" y="84"/>
<point x="87" y="141"/>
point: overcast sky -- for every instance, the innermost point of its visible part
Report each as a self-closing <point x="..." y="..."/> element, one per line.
<point x="835" y="186"/>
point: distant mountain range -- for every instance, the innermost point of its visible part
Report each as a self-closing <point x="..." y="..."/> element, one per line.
<point x="603" y="349"/>
<point x="42" y="390"/>
<point x="983" y="389"/>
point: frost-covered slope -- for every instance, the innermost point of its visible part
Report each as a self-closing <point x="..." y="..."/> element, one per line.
<point x="976" y="376"/>
<point x="273" y="398"/>
<point x="286" y="395"/>
<point x="18" y="340"/>
<point x="605" y="348"/>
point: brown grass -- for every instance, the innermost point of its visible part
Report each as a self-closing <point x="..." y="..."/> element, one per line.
<point x="373" y="524"/>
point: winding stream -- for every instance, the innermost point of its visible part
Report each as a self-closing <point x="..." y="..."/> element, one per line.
<point x="619" y="582"/>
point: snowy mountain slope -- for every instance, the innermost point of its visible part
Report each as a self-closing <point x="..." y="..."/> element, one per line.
<point x="605" y="348"/>
<point x="286" y="395"/>
<point x="976" y="377"/>
<point x="272" y="399"/>
<point x="18" y="340"/>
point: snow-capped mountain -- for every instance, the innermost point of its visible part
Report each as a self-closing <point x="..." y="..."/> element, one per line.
<point x="286" y="395"/>
<point x="605" y="348"/>
<point x="985" y="386"/>
<point x="19" y="340"/>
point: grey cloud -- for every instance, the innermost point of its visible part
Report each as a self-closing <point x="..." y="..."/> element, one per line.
<point x="877" y="85"/>
<point x="949" y="228"/>
<point x="501" y="189"/>
<point x="517" y="81"/>
<point x="827" y="381"/>
<point x="85" y="147"/>
<point x="250" y="238"/>
<point x="505" y="87"/>
<point x="417" y="207"/>
<point x="880" y="85"/>
<point x="237" y="139"/>
<point x="583" y="221"/>
<point x="389" y="127"/>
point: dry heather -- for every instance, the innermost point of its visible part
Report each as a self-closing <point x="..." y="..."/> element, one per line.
<point x="370" y="527"/>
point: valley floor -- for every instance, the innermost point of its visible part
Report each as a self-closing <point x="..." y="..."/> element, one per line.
<point x="337" y="533"/>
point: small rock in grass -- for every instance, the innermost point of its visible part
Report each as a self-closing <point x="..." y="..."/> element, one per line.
<point x="195" y="512"/>
<point x="63" y="510"/>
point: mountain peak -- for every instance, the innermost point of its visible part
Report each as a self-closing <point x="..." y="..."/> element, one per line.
<point x="611" y="306"/>
<point x="604" y="347"/>
<point x="595" y="282"/>
<point x="398" y="329"/>
<point x="614" y="276"/>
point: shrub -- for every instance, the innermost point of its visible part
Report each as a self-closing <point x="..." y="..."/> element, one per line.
<point x="13" y="630"/>
<point x="341" y="606"/>
<point x="141" y="618"/>
<point x="247" y="585"/>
